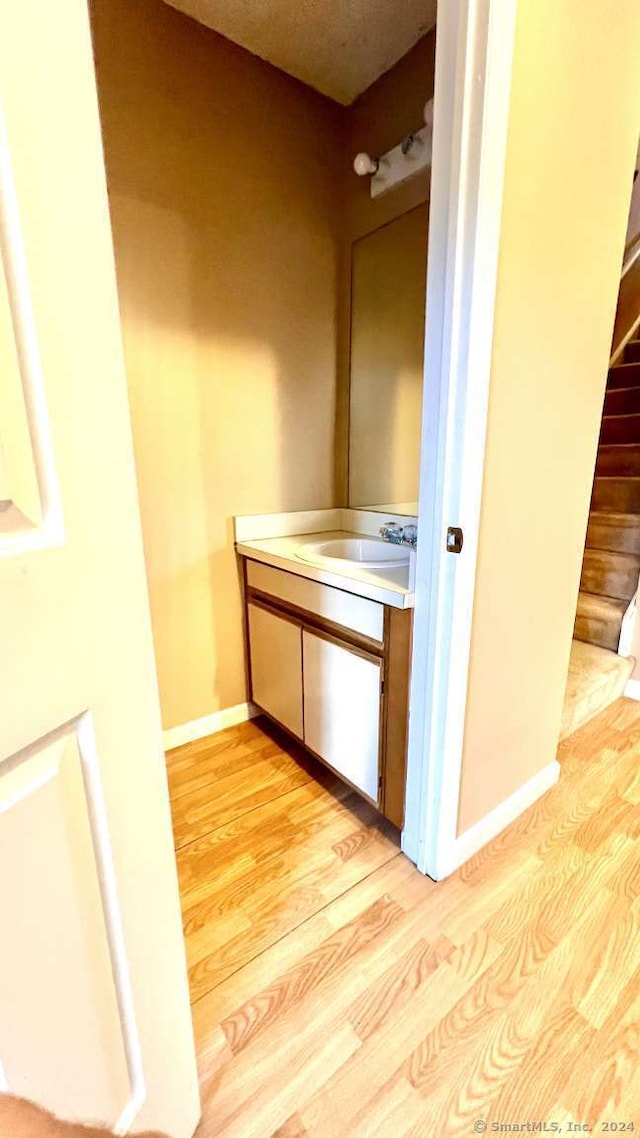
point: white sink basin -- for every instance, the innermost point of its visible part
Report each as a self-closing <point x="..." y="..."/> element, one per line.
<point x="369" y="552"/>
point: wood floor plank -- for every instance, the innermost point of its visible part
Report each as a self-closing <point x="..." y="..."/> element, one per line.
<point x="266" y="969"/>
<point x="478" y="904"/>
<point x="548" y="1067"/>
<point x="474" y="956"/>
<point x="272" y="839"/>
<point x="294" y="1035"/>
<point x="259" y="832"/>
<point x="614" y="816"/>
<point x="397" y="986"/>
<point x="313" y="970"/>
<point x="292" y="1128"/>
<point x="274" y="1104"/>
<point x="300" y="1030"/>
<point x="623" y="877"/>
<point x="299" y="899"/>
<point x="189" y="757"/>
<point x="605" y="1082"/>
<point x="277" y="896"/>
<point x="480" y="1065"/>
<point x="340" y="994"/>
<point x="618" y="958"/>
<point x="501" y="988"/>
<point x="195" y="815"/>
<point x="394" y="1109"/>
<point x="198" y="768"/>
<point x="332" y="1108"/>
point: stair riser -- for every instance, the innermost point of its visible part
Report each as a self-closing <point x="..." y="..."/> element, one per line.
<point x="624" y="429"/>
<point x="606" y="579"/>
<point x="618" y="461"/>
<point x="619" y="494"/>
<point x="600" y="632"/>
<point x="603" y="534"/>
<point x="623" y="375"/>
<point x="622" y="401"/>
<point x="632" y="352"/>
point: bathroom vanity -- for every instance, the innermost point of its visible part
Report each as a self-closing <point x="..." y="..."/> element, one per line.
<point x="328" y="610"/>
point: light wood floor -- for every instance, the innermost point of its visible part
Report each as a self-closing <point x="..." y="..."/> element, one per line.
<point x="337" y="992"/>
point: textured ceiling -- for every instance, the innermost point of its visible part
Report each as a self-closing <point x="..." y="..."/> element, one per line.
<point x="337" y="46"/>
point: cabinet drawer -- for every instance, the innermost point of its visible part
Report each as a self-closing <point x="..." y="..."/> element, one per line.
<point x="342" y="693"/>
<point x="356" y="613"/>
<point x="275" y="653"/>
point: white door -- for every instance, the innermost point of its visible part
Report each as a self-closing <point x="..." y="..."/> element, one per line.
<point x="342" y="693"/>
<point x="275" y="650"/>
<point x="94" y="1008"/>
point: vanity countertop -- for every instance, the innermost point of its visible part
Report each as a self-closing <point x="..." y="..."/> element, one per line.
<point x="388" y="586"/>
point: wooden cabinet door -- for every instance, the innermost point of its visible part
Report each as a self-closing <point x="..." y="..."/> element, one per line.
<point x="342" y="692"/>
<point x="95" y="1020"/>
<point x="275" y="651"/>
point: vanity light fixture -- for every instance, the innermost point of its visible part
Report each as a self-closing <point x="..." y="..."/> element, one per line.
<point x="403" y="161"/>
<point x="363" y="164"/>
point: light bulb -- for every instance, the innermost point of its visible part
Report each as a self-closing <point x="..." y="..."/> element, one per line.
<point x="364" y="164"/>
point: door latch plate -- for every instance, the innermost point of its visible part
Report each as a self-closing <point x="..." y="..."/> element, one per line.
<point x="455" y="539"/>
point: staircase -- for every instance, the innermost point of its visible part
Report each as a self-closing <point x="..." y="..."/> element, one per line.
<point x="611" y="563"/>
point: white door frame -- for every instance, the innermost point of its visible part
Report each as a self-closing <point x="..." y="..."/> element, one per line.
<point x="474" y="56"/>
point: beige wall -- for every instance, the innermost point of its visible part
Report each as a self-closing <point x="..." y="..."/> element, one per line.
<point x="224" y="181"/>
<point x="572" y="140"/>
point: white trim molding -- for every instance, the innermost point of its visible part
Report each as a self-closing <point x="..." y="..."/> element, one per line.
<point x="632" y="255"/>
<point x="207" y="725"/>
<point x="474" y="56"/>
<point x="472" y="840"/>
<point x="619" y="352"/>
<point x="632" y="690"/>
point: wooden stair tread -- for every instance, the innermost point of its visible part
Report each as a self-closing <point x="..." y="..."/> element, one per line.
<point x="622" y="400"/>
<point x="613" y="530"/>
<point x="610" y="573"/>
<point x="621" y="375"/>
<point x="617" y="517"/>
<point x="601" y="607"/>
<point x="619" y="557"/>
<point x="616" y="492"/>
<point x="618" y="460"/>
<point x="597" y="676"/>
<point x="623" y="428"/>
<point x="634" y="478"/>
<point x="599" y="619"/>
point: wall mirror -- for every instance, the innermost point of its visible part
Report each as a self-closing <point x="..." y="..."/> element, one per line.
<point x="388" y="285"/>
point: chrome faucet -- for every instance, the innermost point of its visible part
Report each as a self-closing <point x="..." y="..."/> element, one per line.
<point x="400" y="535"/>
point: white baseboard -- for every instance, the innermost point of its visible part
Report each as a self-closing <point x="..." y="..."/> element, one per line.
<point x="632" y="690"/>
<point x="207" y="725"/>
<point x="472" y="840"/>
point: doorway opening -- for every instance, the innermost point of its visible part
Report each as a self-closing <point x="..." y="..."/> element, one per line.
<point x="272" y="295"/>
